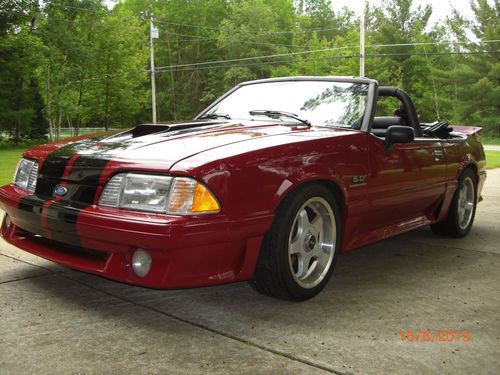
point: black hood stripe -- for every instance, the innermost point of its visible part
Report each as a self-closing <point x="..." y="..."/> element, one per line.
<point x="60" y="215"/>
<point x="32" y="206"/>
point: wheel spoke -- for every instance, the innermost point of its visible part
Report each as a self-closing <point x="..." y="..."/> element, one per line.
<point x="310" y="269"/>
<point x="296" y="246"/>
<point x="301" y="265"/>
<point x="318" y="252"/>
<point x="302" y="222"/>
<point x="317" y="226"/>
<point x="466" y="203"/>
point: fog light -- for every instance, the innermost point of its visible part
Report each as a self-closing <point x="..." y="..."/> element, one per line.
<point x="7" y="222"/>
<point x="141" y="262"/>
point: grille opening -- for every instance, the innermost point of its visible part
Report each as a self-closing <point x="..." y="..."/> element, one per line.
<point x="71" y="250"/>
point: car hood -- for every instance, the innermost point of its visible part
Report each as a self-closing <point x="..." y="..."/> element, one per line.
<point x="154" y="146"/>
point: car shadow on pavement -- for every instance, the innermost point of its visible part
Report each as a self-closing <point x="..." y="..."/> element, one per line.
<point x="392" y="271"/>
<point x="374" y="293"/>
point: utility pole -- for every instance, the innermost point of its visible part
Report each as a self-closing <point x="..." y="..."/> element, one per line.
<point x="153" y="34"/>
<point x="362" y="41"/>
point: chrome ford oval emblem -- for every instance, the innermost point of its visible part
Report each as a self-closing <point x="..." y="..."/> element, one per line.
<point x="60" y="190"/>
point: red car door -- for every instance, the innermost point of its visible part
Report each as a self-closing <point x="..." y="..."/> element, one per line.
<point x="406" y="183"/>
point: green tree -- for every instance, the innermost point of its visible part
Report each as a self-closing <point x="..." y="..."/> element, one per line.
<point x="20" y="106"/>
<point x="77" y="63"/>
<point x="253" y="28"/>
<point x="405" y="52"/>
<point x="96" y="69"/>
<point x="478" y="74"/>
<point x="118" y="88"/>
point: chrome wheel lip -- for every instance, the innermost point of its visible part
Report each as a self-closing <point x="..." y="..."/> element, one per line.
<point x="465" y="204"/>
<point x="312" y="243"/>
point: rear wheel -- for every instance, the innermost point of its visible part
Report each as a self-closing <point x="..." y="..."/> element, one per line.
<point x="299" y="251"/>
<point x="462" y="210"/>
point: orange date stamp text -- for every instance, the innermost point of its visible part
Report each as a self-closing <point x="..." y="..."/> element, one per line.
<point x="435" y="336"/>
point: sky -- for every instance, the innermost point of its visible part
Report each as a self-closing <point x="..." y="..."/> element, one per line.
<point x="440" y="8"/>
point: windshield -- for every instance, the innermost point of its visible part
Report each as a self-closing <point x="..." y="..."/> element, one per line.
<point x="326" y="103"/>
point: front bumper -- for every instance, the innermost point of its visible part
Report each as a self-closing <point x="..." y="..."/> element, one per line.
<point x="186" y="251"/>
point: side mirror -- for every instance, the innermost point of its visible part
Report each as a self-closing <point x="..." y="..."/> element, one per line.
<point x="399" y="134"/>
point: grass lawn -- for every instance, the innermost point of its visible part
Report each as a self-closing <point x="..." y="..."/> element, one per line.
<point x="8" y="162"/>
<point x="485" y="140"/>
<point x="492" y="159"/>
<point x="10" y="156"/>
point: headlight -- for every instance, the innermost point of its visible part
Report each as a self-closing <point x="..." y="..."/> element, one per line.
<point x="163" y="194"/>
<point x="26" y="174"/>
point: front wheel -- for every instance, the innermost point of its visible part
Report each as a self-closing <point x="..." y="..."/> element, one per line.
<point x="299" y="252"/>
<point x="462" y="210"/>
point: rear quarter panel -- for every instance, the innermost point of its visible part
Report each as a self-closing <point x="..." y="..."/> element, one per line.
<point x="461" y="154"/>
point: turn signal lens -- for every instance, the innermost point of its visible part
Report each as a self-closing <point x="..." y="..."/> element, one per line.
<point x="188" y="196"/>
<point x="203" y="200"/>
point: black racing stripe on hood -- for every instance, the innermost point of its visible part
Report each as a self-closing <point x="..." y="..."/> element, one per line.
<point x="30" y="214"/>
<point x="51" y="172"/>
<point x="87" y="169"/>
<point x="62" y="215"/>
<point x="54" y="165"/>
<point x="31" y="206"/>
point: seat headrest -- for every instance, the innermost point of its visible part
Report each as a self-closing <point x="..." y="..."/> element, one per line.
<point x="384" y="122"/>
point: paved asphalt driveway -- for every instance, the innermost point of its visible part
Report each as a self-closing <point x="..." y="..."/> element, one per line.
<point x="492" y="147"/>
<point x="57" y="321"/>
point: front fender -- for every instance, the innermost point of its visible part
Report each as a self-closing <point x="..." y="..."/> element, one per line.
<point x="303" y="176"/>
<point x="257" y="180"/>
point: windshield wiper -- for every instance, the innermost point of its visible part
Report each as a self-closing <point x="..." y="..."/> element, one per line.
<point x="278" y="114"/>
<point x="215" y="115"/>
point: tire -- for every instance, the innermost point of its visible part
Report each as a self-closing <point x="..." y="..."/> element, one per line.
<point x="462" y="209"/>
<point x="300" y="249"/>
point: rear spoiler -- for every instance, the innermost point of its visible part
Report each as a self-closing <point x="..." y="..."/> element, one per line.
<point x="468" y="130"/>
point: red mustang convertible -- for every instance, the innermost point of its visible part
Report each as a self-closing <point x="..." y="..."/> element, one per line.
<point x="268" y="184"/>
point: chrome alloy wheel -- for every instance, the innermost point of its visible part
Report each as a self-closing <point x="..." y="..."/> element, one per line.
<point x="465" y="206"/>
<point x="311" y="243"/>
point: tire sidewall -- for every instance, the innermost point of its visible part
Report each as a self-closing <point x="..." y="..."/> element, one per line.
<point x="468" y="173"/>
<point x="290" y="207"/>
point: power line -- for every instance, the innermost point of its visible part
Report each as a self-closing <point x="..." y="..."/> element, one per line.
<point x="379" y="55"/>
<point x="188" y="37"/>
<point x="315" y="51"/>
<point x="212" y="39"/>
<point x="252" y="58"/>
<point x="161" y="20"/>
<point x="196" y="38"/>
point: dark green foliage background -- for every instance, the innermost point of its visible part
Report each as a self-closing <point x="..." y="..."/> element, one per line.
<point x="75" y="63"/>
